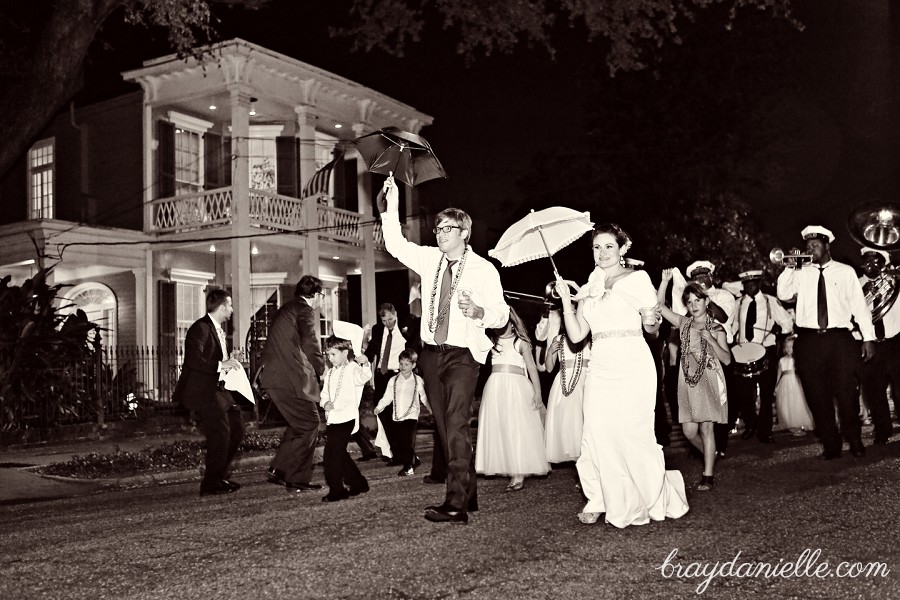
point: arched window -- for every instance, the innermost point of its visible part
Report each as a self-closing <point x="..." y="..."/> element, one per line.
<point x="99" y="304"/>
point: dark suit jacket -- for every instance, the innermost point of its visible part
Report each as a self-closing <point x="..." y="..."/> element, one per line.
<point x="410" y="332"/>
<point x="292" y="358"/>
<point x="196" y="387"/>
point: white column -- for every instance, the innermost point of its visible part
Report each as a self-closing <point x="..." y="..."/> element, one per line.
<point x="306" y="133"/>
<point x="149" y="147"/>
<point x="367" y="266"/>
<point x="240" y="216"/>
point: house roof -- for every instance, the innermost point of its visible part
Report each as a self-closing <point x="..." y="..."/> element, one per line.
<point x="282" y="86"/>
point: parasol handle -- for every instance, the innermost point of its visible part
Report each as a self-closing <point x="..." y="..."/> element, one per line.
<point x="547" y="248"/>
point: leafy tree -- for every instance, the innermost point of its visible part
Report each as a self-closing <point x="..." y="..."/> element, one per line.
<point x="45" y="42"/>
<point x="40" y="350"/>
<point x="678" y="155"/>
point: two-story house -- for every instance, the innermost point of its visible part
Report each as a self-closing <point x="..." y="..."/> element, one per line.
<point x="145" y="201"/>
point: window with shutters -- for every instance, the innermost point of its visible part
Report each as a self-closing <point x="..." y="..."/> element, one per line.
<point x="190" y="305"/>
<point x="189" y="156"/>
<point x="41" y="175"/>
<point x="264" y="157"/>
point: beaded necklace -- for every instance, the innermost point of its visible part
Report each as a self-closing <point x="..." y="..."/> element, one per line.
<point x="693" y="380"/>
<point x="434" y="323"/>
<point x="579" y="361"/>
<point x="415" y="397"/>
<point x="333" y="396"/>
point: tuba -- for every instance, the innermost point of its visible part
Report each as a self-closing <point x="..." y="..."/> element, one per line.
<point x="877" y="225"/>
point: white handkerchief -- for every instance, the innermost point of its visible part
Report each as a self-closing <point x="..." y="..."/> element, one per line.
<point x="236" y="381"/>
<point x="678" y="285"/>
<point x="381" y="440"/>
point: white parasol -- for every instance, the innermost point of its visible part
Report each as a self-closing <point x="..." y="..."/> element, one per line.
<point x="542" y="233"/>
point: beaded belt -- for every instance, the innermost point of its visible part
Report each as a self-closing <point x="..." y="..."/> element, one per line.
<point x="617" y="333"/>
<point x="508" y="369"/>
<point x="570" y="363"/>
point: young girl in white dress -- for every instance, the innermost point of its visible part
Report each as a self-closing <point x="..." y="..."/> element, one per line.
<point x="790" y="402"/>
<point x="565" y="416"/>
<point x="510" y="433"/>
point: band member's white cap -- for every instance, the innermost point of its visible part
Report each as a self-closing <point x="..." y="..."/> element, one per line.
<point x="700" y="265"/>
<point x="749" y="275"/>
<point x="865" y="250"/>
<point x="813" y="231"/>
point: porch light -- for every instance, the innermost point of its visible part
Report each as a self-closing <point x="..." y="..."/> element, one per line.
<point x="336" y="257"/>
<point x="212" y="107"/>
<point x="252" y="107"/>
<point x="337" y="125"/>
<point x="212" y="247"/>
<point x="254" y="250"/>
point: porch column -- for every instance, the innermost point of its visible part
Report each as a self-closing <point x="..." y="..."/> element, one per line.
<point x="306" y="134"/>
<point x="367" y="265"/>
<point x="240" y="215"/>
<point x="149" y="171"/>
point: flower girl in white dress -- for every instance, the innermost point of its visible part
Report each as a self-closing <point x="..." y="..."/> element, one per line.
<point x="510" y="431"/>
<point x="565" y="416"/>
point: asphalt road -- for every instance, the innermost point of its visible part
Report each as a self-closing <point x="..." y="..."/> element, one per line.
<point x="164" y="542"/>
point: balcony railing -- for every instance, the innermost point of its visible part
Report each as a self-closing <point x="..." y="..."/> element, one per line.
<point x="212" y="208"/>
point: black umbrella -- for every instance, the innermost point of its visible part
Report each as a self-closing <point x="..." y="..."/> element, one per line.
<point x="407" y="155"/>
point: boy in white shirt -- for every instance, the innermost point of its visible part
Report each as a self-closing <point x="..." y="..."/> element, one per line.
<point x="342" y="390"/>
<point x="403" y="393"/>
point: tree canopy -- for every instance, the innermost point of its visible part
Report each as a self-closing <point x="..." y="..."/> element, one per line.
<point x="45" y="42"/>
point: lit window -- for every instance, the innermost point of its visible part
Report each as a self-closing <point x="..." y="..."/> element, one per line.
<point x="190" y="305"/>
<point x="188" y="162"/>
<point x="41" y="169"/>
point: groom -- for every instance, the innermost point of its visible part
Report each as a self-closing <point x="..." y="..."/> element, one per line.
<point x="462" y="297"/>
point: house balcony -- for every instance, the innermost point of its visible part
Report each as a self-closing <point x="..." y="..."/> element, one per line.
<point x="211" y="209"/>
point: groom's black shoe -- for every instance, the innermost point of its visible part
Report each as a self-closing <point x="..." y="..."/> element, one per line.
<point x="439" y="514"/>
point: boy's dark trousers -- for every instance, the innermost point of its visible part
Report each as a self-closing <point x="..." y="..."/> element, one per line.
<point x="405" y="434"/>
<point x="339" y="468"/>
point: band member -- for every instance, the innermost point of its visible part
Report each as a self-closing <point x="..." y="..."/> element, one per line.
<point x="462" y="297"/>
<point x="201" y="390"/>
<point x="884" y="368"/>
<point x="828" y="296"/>
<point x="757" y="319"/>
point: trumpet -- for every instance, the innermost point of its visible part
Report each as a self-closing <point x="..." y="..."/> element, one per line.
<point x="791" y="259"/>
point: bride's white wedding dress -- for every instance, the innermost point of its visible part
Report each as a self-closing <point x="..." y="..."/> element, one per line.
<point x="621" y="467"/>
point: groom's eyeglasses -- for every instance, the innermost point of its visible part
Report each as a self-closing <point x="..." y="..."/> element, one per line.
<point x="445" y="229"/>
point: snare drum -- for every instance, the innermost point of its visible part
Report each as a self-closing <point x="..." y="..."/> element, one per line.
<point x="749" y="359"/>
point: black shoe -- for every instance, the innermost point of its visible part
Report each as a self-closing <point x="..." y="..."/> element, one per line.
<point x="235" y="486"/>
<point x="748" y="433"/>
<point x="331" y="497"/>
<point x="276" y="477"/>
<point x="404" y="472"/>
<point x="720" y="454"/>
<point x="441" y="515"/>
<point x="858" y="450"/>
<point x="394" y="463"/>
<point x="386" y="459"/>
<point x="366" y="457"/>
<point x="830" y="455"/>
<point x="358" y="490"/>
<point x="880" y="440"/>
<point x="766" y="439"/>
<point x="302" y="487"/>
<point x="432" y="480"/>
<point x="220" y="488"/>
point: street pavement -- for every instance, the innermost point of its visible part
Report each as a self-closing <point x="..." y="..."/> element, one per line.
<point x="772" y="503"/>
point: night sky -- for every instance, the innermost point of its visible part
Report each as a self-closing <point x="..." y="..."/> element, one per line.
<point x="491" y="118"/>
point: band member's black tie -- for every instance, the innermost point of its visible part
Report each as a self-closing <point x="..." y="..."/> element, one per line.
<point x="879" y="329"/>
<point x="443" y="328"/>
<point x="750" y="321"/>
<point x="822" y="301"/>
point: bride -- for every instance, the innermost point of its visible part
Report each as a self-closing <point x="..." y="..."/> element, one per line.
<point x="621" y="467"/>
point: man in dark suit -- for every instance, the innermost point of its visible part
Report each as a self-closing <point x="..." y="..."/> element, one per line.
<point x="383" y="351"/>
<point x="292" y="365"/>
<point x="198" y="389"/>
